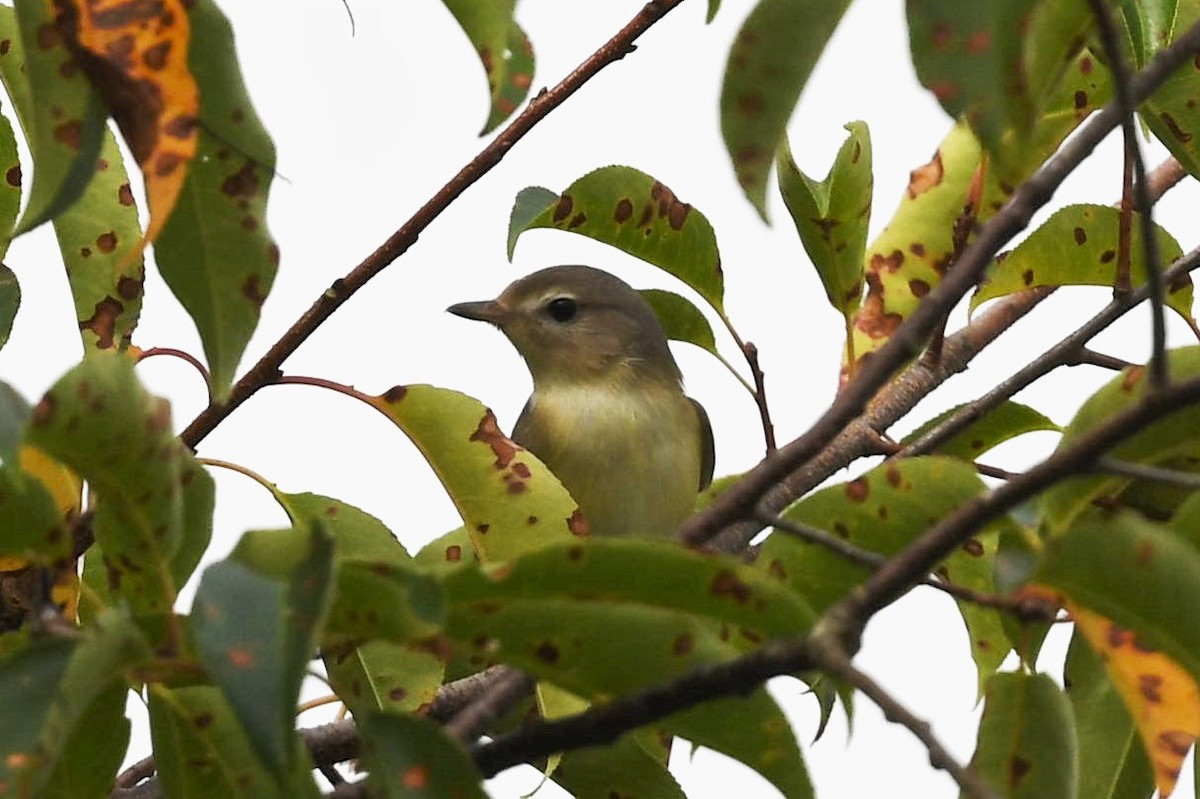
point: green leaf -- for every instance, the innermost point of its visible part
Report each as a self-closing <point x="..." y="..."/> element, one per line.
<point x="883" y="511"/>
<point x="622" y="768"/>
<point x="358" y="534"/>
<point x="409" y="757"/>
<point x="415" y="608"/>
<point x="201" y="751"/>
<point x="63" y="117"/>
<point x="630" y="210"/>
<point x="384" y="676"/>
<point x="1173" y="436"/>
<point x="970" y="56"/>
<point x="256" y="631"/>
<point x="680" y="319"/>
<point x="530" y="202"/>
<point x="90" y="767"/>
<point x="1134" y="572"/>
<point x="1077" y="246"/>
<point x="1027" y="747"/>
<point x="1112" y="761"/>
<point x="215" y="252"/>
<point x="449" y="549"/>
<point x="153" y="503"/>
<point x="1016" y="559"/>
<point x="769" y="63"/>
<point x="14" y="411"/>
<point x="10" y="301"/>
<point x="605" y="617"/>
<point x="832" y="215"/>
<point x="1007" y="420"/>
<point x="1171" y="112"/>
<point x="31" y="522"/>
<point x="504" y="50"/>
<point x="10" y="168"/>
<point x="509" y="500"/>
<point x="51" y="689"/>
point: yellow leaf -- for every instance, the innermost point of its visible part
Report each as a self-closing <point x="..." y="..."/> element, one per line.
<point x="136" y="55"/>
<point x="62" y="483"/>
<point x="1162" y="698"/>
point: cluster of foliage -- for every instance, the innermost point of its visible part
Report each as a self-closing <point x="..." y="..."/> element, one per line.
<point x="105" y="512"/>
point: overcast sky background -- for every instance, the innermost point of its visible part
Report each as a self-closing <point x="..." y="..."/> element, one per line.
<point x="368" y="126"/>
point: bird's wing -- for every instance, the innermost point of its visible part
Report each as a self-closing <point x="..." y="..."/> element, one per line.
<point x="708" y="452"/>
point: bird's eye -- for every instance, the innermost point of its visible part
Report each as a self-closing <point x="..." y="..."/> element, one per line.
<point x="562" y="309"/>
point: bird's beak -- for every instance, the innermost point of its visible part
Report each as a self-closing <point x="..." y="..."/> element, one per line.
<point x="487" y="311"/>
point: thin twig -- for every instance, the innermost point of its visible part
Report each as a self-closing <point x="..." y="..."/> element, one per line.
<point x="267" y="369"/>
<point x="1088" y="357"/>
<point x="186" y="357"/>
<point x="994" y="471"/>
<point x="1142" y="471"/>
<point x="505" y="692"/>
<point x="1122" y="84"/>
<point x="834" y="662"/>
<point x="760" y="395"/>
<point x="738" y="503"/>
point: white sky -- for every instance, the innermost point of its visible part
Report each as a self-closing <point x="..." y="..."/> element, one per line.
<point x="369" y="126"/>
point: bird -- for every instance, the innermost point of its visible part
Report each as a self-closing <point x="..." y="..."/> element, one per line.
<point x="608" y="414"/>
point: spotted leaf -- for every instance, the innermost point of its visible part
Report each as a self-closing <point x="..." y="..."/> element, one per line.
<point x="63" y="116"/>
<point x="1027" y="746"/>
<point x="584" y="617"/>
<point x="1125" y="578"/>
<point x="358" y="534"/>
<point x="1078" y="246"/>
<point x="831" y="215"/>
<point x="770" y="61"/>
<point x="136" y="57"/>
<point x="1175" y="436"/>
<point x="509" y="500"/>
<point x="153" y="503"/>
<point x="503" y="49"/>
<point x="1006" y="421"/>
<point x="201" y="750"/>
<point x="882" y="511"/>
<point x="216" y="253"/>
<point x="256" y="630"/>
<point x="384" y="676"/>
<point x="411" y="757"/>
<point x="637" y="214"/>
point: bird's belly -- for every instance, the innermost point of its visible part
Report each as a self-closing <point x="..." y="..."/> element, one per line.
<point x="631" y="468"/>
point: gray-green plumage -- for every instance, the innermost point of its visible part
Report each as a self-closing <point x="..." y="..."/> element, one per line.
<point x="608" y="414"/>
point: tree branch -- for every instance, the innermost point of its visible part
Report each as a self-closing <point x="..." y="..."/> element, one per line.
<point x="739" y="501"/>
<point x="267" y="369"/>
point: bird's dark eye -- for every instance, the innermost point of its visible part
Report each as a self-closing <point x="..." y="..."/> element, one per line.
<point x="562" y="309"/>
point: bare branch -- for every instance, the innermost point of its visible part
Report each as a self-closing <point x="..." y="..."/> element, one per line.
<point x="506" y="690"/>
<point x="1189" y="481"/>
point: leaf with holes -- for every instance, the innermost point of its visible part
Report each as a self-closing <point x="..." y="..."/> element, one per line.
<point x="769" y="62"/>
<point x="1077" y="246"/>
<point x="883" y="511"/>
<point x="511" y="503"/>
<point x="630" y="210"/>
<point x="256" y="630"/>
<point x="216" y="253"/>
<point x="831" y="215"/>
<point x="1027" y="747"/>
<point x="1175" y="436"/>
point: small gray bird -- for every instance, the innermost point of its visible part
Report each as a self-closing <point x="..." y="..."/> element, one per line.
<point x="608" y="414"/>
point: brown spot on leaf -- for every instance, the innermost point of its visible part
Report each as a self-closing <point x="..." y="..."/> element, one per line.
<point x="482" y="528"/>
<point x="1107" y="256"/>
<point x="453" y="553"/>
<point x="577" y="524"/>
<point x="1150" y="687"/>
<point x="1177" y="742"/>
<point x="1176" y="131"/>
<point x="858" y="490"/>
<point x="683" y="645"/>
<point x="12" y="176"/>
<point x="129" y="288"/>
<point x="973" y="547"/>
<point x="531" y="520"/>
<point x="893" y="475"/>
<point x="394" y="394"/>
<point x="241" y="658"/>
<point x="106" y="242"/>
<point x="252" y="290"/>
<point x="125" y="195"/>
<point x="489" y="433"/>
<point x="940" y="36"/>
<point x="416" y="778"/>
<point x="1018" y="767"/>
<point x="1133" y="376"/>
<point x="546" y="652"/>
<point x="1027" y="277"/>
<point x="563" y="209"/>
<point x="243" y="183"/>
<point x="917" y="249"/>
<point x="669" y="206"/>
<point x="979" y="41"/>
<point x="576" y="221"/>
<point x="918" y="287"/>
<point x="1080" y="100"/>
<point x="726" y="583"/>
<point x="623" y="211"/>
<point x="69" y="133"/>
<point x="926" y="177"/>
<point x="103" y="321"/>
<point x="751" y="104"/>
<point x="5" y="46"/>
<point x="1080" y="236"/>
